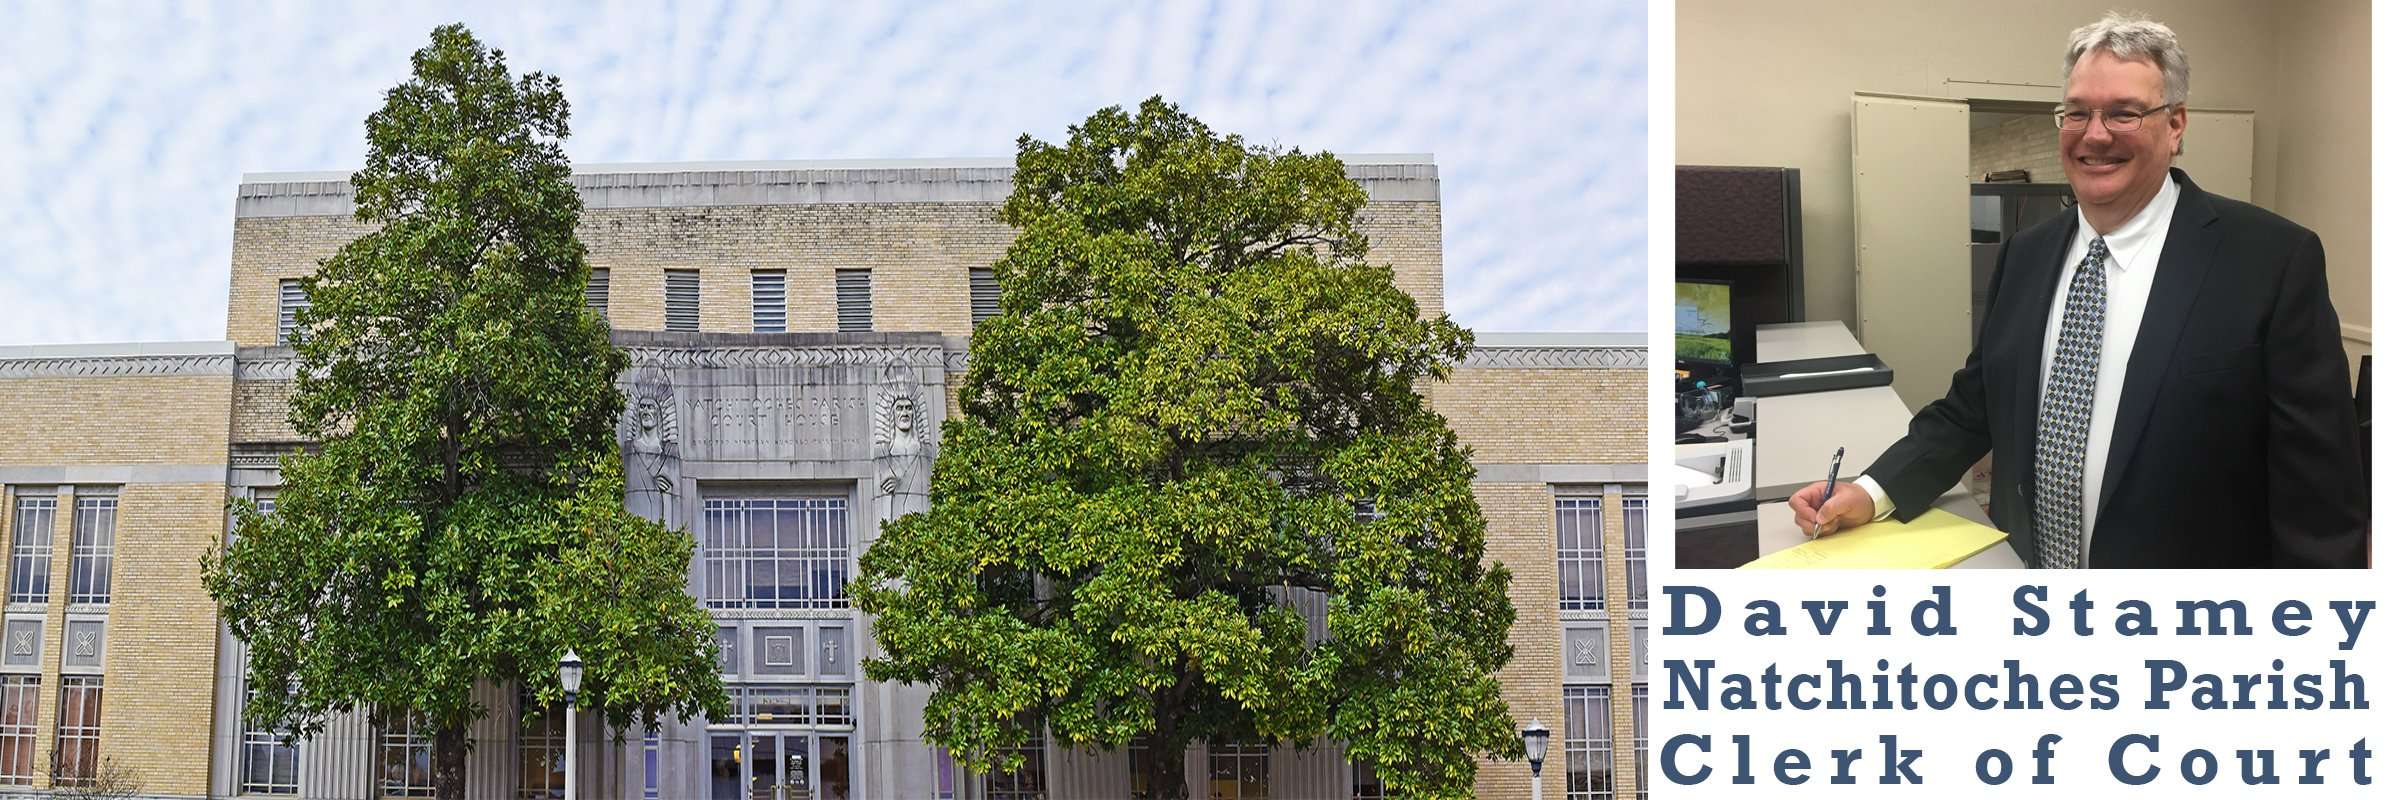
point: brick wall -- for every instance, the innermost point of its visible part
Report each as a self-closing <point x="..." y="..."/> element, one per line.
<point x="162" y="636"/>
<point x="2016" y="141"/>
<point x="1545" y="416"/>
<point x="114" y="420"/>
<point x="1521" y="534"/>
<point x="919" y="254"/>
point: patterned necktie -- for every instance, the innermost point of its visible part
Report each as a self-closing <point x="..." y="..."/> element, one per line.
<point x="2067" y="414"/>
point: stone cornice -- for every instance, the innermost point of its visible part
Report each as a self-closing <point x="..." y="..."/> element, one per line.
<point x="117" y="360"/>
<point x="1404" y="177"/>
<point x="929" y="356"/>
<point x="1559" y="357"/>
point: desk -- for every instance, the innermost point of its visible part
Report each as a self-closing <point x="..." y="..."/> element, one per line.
<point x="1797" y="434"/>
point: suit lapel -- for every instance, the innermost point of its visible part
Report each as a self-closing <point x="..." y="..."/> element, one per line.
<point x="2191" y="248"/>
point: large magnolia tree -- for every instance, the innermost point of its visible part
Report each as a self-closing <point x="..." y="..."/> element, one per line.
<point x="462" y="520"/>
<point x="1195" y="417"/>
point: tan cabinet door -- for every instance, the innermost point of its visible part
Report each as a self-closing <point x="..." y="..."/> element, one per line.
<point x="1908" y="159"/>
<point x="2216" y="151"/>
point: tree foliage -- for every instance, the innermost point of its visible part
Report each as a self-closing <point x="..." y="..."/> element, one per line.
<point x="463" y="519"/>
<point x="1196" y="384"/>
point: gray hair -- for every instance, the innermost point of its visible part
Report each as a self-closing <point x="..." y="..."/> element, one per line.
<point x="2134" y="38"/>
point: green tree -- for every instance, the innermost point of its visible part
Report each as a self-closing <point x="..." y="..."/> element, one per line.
<point x="1172" y="435"/>
<point x="463" y="520"/>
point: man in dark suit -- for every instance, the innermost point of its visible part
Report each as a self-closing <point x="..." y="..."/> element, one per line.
<point x="2160" y="377"/>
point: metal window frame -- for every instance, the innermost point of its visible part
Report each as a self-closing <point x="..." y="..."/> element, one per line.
<point x="683" y="287"/>
<point x="29" y="555"/>
<point x="1598" y="746"/>
<point x="20" y="700"/>
<point x="79" y="709"/>
<point x="983" y="295"/>
<point x="731" y="552"/>
<point x="1243" y="756"/>
<point x="770" y="301"/>
<point x="595" y="291"/>
<point x="854" y="300"/>
<point x="289" y="299"/>
<point x="1582" y="546"/>
<point x="91" y="549"/>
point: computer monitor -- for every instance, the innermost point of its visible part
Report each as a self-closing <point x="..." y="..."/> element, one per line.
<point x="1704" y="322"/>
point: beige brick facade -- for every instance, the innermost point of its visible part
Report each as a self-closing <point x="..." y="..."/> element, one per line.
<point x="152" y="431"/>
<point x="1544" y="416"/>
<point x="918" y="254"/>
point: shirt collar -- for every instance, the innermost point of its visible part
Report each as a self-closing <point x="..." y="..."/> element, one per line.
<point x="2147" y="226"/>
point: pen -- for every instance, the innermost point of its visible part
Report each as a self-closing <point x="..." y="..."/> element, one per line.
<point x="1830" y="471"/>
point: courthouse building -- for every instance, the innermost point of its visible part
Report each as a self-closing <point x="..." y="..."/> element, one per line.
<point x="797" y="332"/>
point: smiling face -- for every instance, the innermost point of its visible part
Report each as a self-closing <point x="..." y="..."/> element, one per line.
<point x="2115" y="173"/>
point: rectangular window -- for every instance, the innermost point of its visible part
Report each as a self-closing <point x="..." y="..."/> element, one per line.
<point x="93" y="549"/>
<point x="1237" y="771"/>
<point x="1585" y="744"/>
<point x="541" y="750"/>
<point x="1637" y="553"/>
<point x="683" y="300"/>
<point x="78" y="757"/>
<point x="945" y="775"/>
<point x="650" y="744"/>
<point x="1138" y="760"/>
<point x="289" y="299"/>
<point x="983" y="295"/>
<point x="20" y="703"/>
<point x="853" y="300"/>
<point x="407" y="758"/>
<point x="1582" y="585"/>
<point x="776" y="553"/>
<point x="1365" y="784"/>
<point x="1641" y="741"/>
<point x="269" y="765"/>
<point x="766" y="301"/>
<point x="29" y="554"/>
<point x="595" y="291"/>
<point x="1028" y="781"/>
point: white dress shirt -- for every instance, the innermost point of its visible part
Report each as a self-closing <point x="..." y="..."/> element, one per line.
<point x="2133" y="252"/>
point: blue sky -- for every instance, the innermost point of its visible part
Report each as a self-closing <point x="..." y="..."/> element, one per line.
<point x="124" y="127"/>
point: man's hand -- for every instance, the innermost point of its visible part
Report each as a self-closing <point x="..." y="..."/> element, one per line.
<point x="1849" y="508"/>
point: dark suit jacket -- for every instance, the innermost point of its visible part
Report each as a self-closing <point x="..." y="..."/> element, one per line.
<point x="2236" y="443"/>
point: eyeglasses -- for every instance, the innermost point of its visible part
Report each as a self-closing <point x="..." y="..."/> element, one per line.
<point x="2121" y="120"/>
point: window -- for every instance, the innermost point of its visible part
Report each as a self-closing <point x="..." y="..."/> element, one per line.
<point x="1027" y="782"/>
<point x="1139" y="758"/>
<point x="782" y="741"/>
<point x="289" y="299"/>
<point x="541" y="750"/>
<point x="766" y="301"/>
<point x="20" y="702"/>
<point x="683" y="300"/>
<point x="1237" y="771"/>
<point x="1641" y="741"/>
<point x="1641" y="649"/>
<point x="983" y="295"/>
<point x="1586" y="745"/>
<point x="650" y="743"/>
<point x="93" y="549"/>
<point x="29" y="554"/>
<point x="595" y="291"/>
<point x="269" y="766"/>
<point x="1365" y="784"/>
<point x="945" y="775"/>
<point x="853" y="300"/>
<point x="77" y="761"/>
<point x="407" y="757"/>
<point x="1582" y="586"/>
<point x="776" y="553"/>
<point x="1637" y="553"/>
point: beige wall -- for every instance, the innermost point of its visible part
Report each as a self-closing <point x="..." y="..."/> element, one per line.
<point x="1544" y="416"/>
<point x="1769" y="84"/>
<point x="919" y="254"/>
<point x="2323" y="182"/>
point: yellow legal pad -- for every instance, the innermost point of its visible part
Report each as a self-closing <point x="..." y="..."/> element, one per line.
<point x="1935" y="540"/>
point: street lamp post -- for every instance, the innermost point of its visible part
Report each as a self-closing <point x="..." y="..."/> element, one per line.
<point x="570" y="678"/>
<point x="1537" y="744"/>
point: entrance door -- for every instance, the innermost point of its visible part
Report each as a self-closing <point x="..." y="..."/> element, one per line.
<point x="774" y="765"/>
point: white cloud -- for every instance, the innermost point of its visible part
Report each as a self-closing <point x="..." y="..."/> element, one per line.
<point x="124" y="129"/>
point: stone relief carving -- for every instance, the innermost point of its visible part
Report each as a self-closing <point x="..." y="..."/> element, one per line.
<point x="901" y="452"/>
<point x="1587" y="651"/>
<point x="86" y="644"/>
<point x="652" y="442"/>
<point x="21" y="643"/>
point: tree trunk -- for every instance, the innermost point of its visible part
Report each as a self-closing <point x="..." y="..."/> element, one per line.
<point x="1167" y="740"/>
<point x="1166" y="772"/>
<point x="450" y="762"/>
